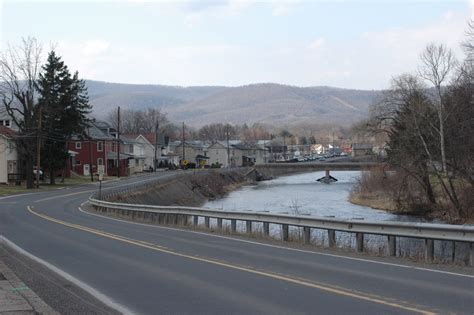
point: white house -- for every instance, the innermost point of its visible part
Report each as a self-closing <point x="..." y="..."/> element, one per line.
<point x="147" y="150"/>
<point x="241" y="154"/>
<point x="217" y="153"/>
<point x="8" y="154"/>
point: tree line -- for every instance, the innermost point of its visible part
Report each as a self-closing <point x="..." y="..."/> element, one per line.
<point x="47" y="103"/>
<point x="427" y="118"/>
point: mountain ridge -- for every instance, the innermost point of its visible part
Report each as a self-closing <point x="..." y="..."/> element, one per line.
<point x="268" y="103"/>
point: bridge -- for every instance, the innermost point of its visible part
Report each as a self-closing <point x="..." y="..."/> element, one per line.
<point x="278" y="169"/>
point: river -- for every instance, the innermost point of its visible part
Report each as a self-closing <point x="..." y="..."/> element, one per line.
<point x="302" y="194"/>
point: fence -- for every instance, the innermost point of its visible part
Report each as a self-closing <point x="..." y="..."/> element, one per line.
<point x="181" y="215"/>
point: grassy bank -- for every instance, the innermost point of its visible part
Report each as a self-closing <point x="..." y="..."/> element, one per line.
<point x="189" y="189"/>
<point x="7" y="190"/>
<point x="400" y="193"/>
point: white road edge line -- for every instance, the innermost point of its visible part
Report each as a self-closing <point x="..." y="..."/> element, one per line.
<point x="94" y="292"/>
<point x="281" y="247"/>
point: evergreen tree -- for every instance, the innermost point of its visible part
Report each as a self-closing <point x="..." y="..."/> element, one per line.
<point x="64" y="107"/>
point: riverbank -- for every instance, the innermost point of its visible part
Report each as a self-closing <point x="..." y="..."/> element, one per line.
<point x="191" y="188"/>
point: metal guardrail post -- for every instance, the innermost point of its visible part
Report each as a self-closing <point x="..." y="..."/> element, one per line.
<point x="429" y="250"/>
<point x="471" y="254"/>
<point x="196" y="220"/>
<point x="427" y="231"/>
<point x="248" y="227"/>
<point x="285" y="232"/>
<point x="331" y="238"/>
<point x="207" y="222"/>
<point x="392" y="245"/>
<point x="360" y="242"/>
<point x="266" y="228"/>
<point x="219" y="223"/>
<point x="307" y="235"/>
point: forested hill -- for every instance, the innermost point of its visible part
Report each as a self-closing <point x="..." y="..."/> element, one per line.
<point x="266" y="103"/>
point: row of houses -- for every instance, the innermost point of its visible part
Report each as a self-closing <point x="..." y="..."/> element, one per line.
<point x="130" y="154"/>
<point x="101" y="146"/>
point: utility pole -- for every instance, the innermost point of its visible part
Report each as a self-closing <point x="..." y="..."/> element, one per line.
<point x="333" y="149"/>
<point x="156" y="143"/>
<point x="118" y="142"/>
<point x="38" y="147"/>
<point x="184" y="152"/>
<point x="228" y="148"/>
<point x="90" y="154"/>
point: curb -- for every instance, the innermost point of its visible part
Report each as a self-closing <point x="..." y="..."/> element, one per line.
<point x="17" y="298"/>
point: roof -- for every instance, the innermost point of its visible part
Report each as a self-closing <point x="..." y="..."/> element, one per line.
<point x="151" y="137"/>
<point x="7" y="132"/>
<point x="218" y="144"/>
<point x="248" y="146"/>
<point x="361" y="146"/>
<point x="123" y="156"/>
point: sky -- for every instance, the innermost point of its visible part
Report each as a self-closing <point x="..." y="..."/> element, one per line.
<point x="347" y="44"/>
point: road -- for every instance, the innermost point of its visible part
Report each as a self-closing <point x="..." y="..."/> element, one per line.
<point x="151" y="269"/>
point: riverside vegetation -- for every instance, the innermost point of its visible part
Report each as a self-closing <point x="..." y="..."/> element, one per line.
<point x="428" y="121"/>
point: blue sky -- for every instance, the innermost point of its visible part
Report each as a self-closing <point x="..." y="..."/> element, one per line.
<point x="352" y="44"/>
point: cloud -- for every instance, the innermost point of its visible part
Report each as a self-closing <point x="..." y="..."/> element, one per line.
<point x="94" y="47"/>
<point x="317" y="44"/>
<point x="283" y="7"/>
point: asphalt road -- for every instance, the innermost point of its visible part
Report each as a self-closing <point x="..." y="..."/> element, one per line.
<point x="151" y="269"/>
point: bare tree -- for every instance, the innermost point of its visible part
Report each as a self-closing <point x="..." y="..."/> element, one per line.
<point x="138" y="121"/>
<point x="19" y="72"/>
<point x="438" y="63"/>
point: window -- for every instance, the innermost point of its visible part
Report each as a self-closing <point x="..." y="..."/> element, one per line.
<point x="5" y="123"/>
<point x="100" y="146"/>
<point x="100" y="161"/>
<point x="78" y="162"/>
<point x="78" y="145"/>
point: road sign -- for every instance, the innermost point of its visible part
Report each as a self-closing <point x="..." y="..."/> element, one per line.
<point x="101" y="170"/>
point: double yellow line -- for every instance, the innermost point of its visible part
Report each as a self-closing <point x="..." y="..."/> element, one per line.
<point x="324" y="287"/>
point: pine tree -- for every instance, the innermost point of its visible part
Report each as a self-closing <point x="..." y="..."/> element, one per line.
<point x="64" y="106"/>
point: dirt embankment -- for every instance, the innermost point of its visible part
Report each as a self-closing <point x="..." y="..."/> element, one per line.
<point x="189" y="189"/>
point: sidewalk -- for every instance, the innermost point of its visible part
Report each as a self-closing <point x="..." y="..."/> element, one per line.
<point x="17" y="298"/>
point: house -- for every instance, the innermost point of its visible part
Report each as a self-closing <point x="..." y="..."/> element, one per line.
<point x="136" y="151"/>
<point x="238" y="154"/>
<point x="217" y="153"/>
<point x="277" y="151"/>
<point x="8" y="154"/>
<point x="164" y="155"/>
<point x="97" y="147"/>
<point x="191" y="150"/>
<point x="7" y="121"/>
<point x="361" y="149"/>
<point x="247" y="154"/>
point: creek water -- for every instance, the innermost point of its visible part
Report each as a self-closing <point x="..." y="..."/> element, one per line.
<point x="302" y="194"/>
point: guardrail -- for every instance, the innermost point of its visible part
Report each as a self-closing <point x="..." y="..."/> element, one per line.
<point x="181" y="215"/>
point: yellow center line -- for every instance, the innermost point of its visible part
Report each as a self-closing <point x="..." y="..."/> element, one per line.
<point x="286" y="278"/>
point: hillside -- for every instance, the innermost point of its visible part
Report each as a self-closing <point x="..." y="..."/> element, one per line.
<point x="265" y="103"/>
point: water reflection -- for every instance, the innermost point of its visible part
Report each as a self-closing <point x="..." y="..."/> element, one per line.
<point x="302" y="194"/>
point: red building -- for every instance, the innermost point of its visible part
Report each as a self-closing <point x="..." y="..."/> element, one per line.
<point x="97" y="147"/>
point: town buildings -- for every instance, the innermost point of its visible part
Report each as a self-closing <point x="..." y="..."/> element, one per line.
<point x="9" y="164"/>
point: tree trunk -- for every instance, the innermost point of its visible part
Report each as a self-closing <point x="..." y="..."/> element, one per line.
<point x="29" y="172"/>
